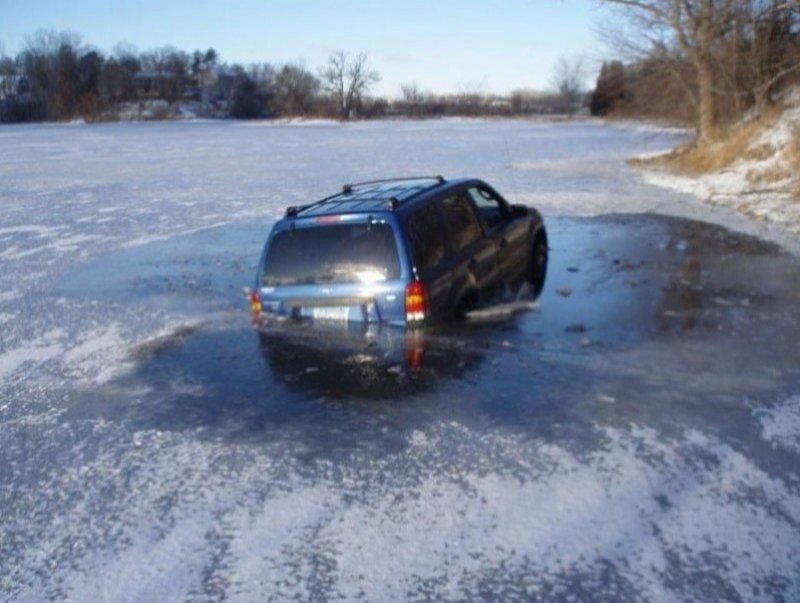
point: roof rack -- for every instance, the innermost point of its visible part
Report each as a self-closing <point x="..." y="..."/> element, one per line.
<point x="349" y="187"/>
<point x="394" y="202"/>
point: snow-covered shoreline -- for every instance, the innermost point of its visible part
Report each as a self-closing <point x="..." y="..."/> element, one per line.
<point x="762" y="183"/>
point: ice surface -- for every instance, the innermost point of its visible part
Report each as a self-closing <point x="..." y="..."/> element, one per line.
<point x="152" y="449"/>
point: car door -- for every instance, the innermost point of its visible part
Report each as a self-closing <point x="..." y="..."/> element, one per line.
<point x="475" y="255"/>
<point x="510" y="233"/>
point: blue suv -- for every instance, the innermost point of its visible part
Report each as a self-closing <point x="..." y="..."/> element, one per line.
<point x="403" y="251"/>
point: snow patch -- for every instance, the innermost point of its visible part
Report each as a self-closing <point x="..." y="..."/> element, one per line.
<point x="6" y="296"/>
<point x="500" y="312"/>
<point x="294" y="121"/>
<point x="419" y="523"/>
<point x="38" y="351"/>
<point x="781" y="425"/>
<point x="96" y="358"/>
<point x="37" y="230"/>
<point x="147" y="239"/>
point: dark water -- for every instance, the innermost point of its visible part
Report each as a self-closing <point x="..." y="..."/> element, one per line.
<point x="688" y="304"/>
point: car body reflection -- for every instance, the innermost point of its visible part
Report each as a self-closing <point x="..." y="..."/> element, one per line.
<point x="364" y="360"/>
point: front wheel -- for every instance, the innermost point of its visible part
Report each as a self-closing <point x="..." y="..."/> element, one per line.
<point x="538" y="272"/>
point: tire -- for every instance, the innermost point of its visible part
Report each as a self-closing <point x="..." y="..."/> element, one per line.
<point x="538" y="271"/>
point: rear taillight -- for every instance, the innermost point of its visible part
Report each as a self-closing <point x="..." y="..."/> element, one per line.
<point x="416" y="302"/>
<point x="255" y="302"/>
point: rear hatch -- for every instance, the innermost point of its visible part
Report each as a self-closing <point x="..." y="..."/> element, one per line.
<point x="342" y="268"/>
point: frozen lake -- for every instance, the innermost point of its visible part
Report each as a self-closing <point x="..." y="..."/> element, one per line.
<point x="636" y="439"/>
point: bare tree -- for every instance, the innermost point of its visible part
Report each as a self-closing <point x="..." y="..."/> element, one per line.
<point x="360" y="79"/>
<point x="471" y="97"/>
<point x="334" y="78"/>
<point x="50" y="60"/>
<point x="722" y="40"/>
<point x="118" y="78"/>
<point x="202" y="64"/>
<point x="261" y="73"/>
<point x="412" y="97"/>
<point x="347" y="79"/>
<point x="761" y="51"/>
<point x="7" y="65"/>
<point x="168" y="71"/>
<point x="248" y="99"/>
<point x="295" y="90"/>
<point x="411" y="93"/>
<point x="567" y="79"/>
<point x="690" y="28"/>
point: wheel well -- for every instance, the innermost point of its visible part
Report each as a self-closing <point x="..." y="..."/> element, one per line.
<point x="539" y="261"/>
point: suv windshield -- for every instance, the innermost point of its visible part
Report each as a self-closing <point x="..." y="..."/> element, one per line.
<point x="340" y="253"/>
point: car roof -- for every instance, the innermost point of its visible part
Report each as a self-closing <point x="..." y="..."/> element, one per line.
<point x="379" y="196"/>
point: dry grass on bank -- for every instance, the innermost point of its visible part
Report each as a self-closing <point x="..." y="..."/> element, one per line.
<point x="753" y="168"/>
<point x="735" y="143"/>
<point x="793" y="157"/>
<point x="764" y="152"/>
<point x="784" y="168"/>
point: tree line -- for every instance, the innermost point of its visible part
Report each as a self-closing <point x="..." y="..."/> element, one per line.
<point x="56" y="76"/>
<point x="707" y="62"/>
<point x="62" y="78"/>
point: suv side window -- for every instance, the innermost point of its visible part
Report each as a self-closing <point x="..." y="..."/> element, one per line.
<point x="425" y="234"/>
<point x="490" y="207"/>
<point x="462" y="220"/>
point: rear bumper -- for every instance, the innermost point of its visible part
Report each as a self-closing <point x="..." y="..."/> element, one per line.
<point x="337" y="317"/>
<point x="382" y="303"/>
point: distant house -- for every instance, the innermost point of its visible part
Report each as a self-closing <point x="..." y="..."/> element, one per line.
<point x="13" y="87"/>
<point x="160" y="85"/>
<point x="216" y="85"/>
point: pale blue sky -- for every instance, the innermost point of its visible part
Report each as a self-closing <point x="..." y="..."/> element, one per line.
<point x="445" y="46"/>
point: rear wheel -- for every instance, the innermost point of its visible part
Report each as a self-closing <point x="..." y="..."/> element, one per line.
<point x="538" y="272"/>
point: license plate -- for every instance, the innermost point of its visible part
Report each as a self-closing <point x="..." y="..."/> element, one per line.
<point x="337" y="313"/>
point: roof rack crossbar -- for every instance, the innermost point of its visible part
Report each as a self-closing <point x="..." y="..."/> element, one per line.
<point x="349" y="187"/>
<point x="293" y="210"/>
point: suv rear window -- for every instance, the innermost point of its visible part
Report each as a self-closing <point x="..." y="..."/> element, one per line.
<point x="340" y="253"/>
